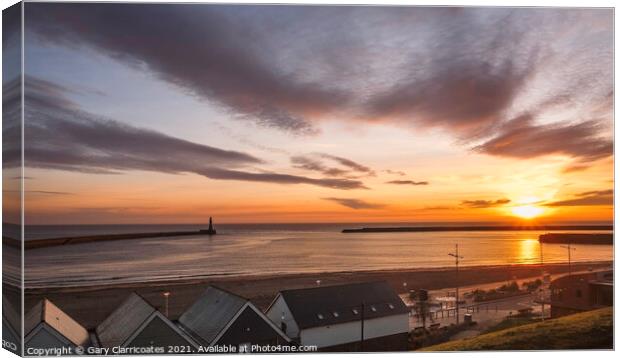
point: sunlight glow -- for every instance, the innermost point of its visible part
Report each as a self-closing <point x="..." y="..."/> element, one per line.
<point x="527" y="211"/>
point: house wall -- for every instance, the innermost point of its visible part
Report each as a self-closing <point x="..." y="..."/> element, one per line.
<point x="43" y="338"/>
<point x="275" y="312"/>
<point x="158" y="334"/>
<point x="573" y="294"/>
<point x="344" y="333"/>
<point x="249" y="327"/>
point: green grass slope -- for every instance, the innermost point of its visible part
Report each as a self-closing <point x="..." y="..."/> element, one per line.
<point x="588" y="330"/>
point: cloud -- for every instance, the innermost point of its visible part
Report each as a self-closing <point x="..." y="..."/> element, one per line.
<point x="61" y="136"/>
<point x="481" y="204"/>
<point x="202" y="49"/>
<point x="347" y="167"/>
<point x="356" y="204"/>
<point x="407" y="182"/>
<point x="289" y="67"/>
<point x="589" y="198"/>
<point x="224" y="174"/>
<point x="521" y="138"/>
<point x="395" y="172"/>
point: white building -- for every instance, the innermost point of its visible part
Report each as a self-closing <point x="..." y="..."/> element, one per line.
<point x="367" y="316"/>
<point x="47" y="326"/>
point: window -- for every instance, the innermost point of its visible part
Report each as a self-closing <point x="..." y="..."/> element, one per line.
<point x="320" y="316"/>
<point x="336" y="314"/>
<point x="355" y="311"/>
<point x="578" y="293"/>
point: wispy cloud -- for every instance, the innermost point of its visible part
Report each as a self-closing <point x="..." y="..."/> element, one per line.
<point x="521" y="138"/>
<point x="356" y="204"/>
<point x="199" y="48"/>
<point x="317" y="162"/>
<point x="62" y="136"/>
<point x="481" y="204"/>
<point x="395" y="172"/>
<point x="589" y="198"/>
<point x="407" y="182"/>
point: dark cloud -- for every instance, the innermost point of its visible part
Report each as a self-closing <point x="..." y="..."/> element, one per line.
<point x="356" y="204"/>
<point x="466" y="79"/>
<point x="61" y="136"/>
<point x="344" y="184"/>
<point x="589" y="198"/>
<point x="349" y="163"/>
<point x="522" y="138"/>
<point x="287" y="67"/>
<point x="199" y="48"/>
<point x="480" y="204"/>
<point x="407" y="182"/>
<point x="316" y="162"/>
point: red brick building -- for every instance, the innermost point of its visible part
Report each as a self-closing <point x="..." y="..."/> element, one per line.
<point x="582" y="292"/>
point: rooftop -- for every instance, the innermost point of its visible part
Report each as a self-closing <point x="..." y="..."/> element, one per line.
<point x="46" y="312"/>
<point x="328" y="305"/>
<point x="211" y="312"/>
<point x="124" y="321"/>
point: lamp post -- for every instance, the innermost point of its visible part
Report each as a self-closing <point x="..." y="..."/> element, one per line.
<point x="457" y="258"/>
<point x="166" y="294"/>
<point x="568" y="249"/>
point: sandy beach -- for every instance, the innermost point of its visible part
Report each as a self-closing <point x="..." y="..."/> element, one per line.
<point x="90" y="305"/>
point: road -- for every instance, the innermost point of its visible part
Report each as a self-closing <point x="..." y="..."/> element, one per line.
<point x="484" y="314"/>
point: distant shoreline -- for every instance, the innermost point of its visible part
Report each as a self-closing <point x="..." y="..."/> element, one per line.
<point x="39" y="243"/>
<point x="478" y="228"/>
<point x="572" y="238"/>
<point x="59" y="241"/>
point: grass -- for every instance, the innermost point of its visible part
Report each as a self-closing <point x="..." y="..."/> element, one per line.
<point x="588" y="330"/>
<point x="511" y="322"/>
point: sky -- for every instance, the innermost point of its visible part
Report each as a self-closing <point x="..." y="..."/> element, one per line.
<point x="142" y="113"/>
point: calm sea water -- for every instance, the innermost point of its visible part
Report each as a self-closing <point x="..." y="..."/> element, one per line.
<point x="271" y="249"/>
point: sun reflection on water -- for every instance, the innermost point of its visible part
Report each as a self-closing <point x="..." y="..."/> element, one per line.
<point x="529" y="251"/>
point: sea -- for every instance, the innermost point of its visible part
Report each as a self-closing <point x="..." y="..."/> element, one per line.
<point x="263" y="249"/>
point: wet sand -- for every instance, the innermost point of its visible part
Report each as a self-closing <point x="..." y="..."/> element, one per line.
<point x="90" y="305"/>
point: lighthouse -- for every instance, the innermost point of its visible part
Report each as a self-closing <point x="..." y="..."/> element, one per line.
<point x="210" y="230"/>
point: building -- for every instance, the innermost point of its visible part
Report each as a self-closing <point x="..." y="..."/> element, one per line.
<point x="137" y="324"/>
<point x="47" y="326"/>
<point x="367" y="316"/>
<point x="11" y="326"/>
<point x="221" y="318"/>
<point x="581" y="292"/>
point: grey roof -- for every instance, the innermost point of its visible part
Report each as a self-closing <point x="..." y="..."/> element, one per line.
<point x="124" y="321"/>
<point x="46" y="312"/>
<point x="211" y="313"/>
<point x="10" y="314"/>
<point x="329" y="305"/>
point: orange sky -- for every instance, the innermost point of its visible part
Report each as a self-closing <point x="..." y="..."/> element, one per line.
<point x="336" y="114"/>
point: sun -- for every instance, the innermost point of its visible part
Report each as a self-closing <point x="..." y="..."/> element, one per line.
<point x="527" y="211"/>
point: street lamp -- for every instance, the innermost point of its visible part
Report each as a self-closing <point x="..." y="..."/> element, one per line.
<point x="568" y="249"/>
<point x="166" y="294"/>
<point x="456" y="262"/>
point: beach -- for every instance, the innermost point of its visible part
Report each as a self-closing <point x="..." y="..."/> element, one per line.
<point x="89" y="305"/>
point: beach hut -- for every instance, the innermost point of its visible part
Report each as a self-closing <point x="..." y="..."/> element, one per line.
<point x="367" y="316"/>
<point x="47" y="326"/>
<point x="137" y="324"/>
<point x="221" y="318"/>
